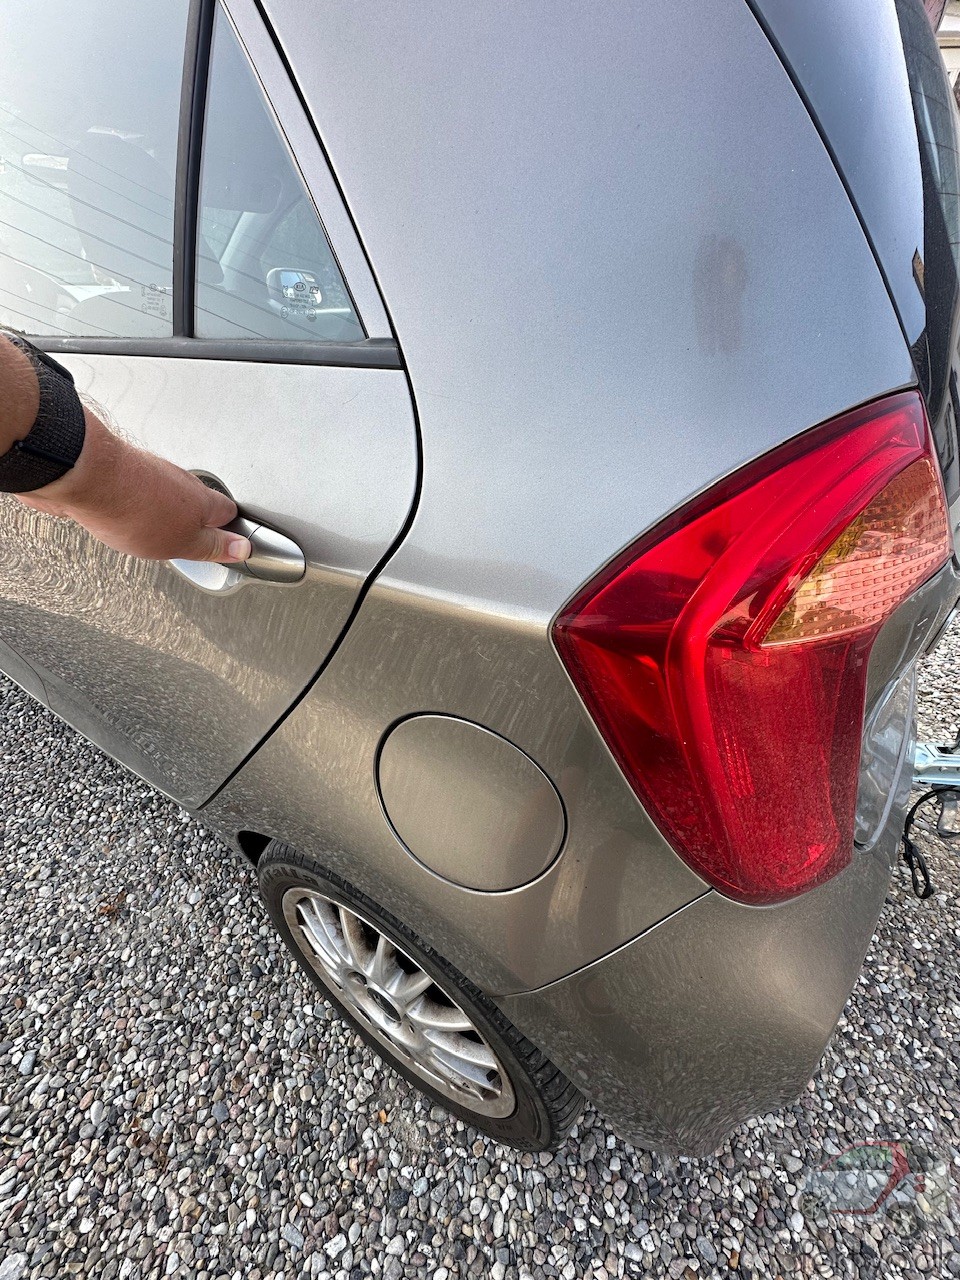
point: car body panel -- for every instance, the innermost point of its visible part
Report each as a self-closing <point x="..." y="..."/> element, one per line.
<point x="313" y="784"/>
<point x="637" y="319"/>
<point x="468" y="804"/>
<point x="178" y="682"/>
<point x="605" y="277"/>
<point x="847" y="59"/>
<point x="719" y="1013"/>
<point x="875" y="85"/>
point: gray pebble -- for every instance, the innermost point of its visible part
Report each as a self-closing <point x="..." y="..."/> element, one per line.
<point x="706" y="1250"/>
<point x="336" y="1246"/>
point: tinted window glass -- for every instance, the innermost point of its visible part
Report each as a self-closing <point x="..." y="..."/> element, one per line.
<point x="89" y="109"/>
<point x="264" y="266"/>
<point x="936" y="268"/>
<point x="935" y="111"/>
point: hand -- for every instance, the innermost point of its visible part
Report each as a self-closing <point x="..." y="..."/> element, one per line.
<point x="140" y="504"/>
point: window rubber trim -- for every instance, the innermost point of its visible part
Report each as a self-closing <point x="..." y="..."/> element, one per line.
<point x="193" y="98"/>
<point x="369" y="353"/>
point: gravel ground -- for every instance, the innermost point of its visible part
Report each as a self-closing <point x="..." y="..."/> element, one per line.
<point x="174" y="1103"/>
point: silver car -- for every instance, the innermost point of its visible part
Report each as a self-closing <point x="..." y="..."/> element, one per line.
<point x="586" y="376"/>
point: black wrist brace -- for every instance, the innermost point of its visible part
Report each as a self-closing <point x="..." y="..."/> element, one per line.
<point x="55" y="440"/>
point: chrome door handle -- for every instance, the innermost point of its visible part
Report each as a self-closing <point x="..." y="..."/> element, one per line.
<point x="275" y="557"/>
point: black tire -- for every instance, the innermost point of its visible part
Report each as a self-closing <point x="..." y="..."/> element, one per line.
<point x="547" y="1104"/>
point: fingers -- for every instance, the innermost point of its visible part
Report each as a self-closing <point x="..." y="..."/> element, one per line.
<point x="218" y="545"/>
<point x="220" y="509"/>
<point x="215" y="543"/>
<point x="212" y="542"/>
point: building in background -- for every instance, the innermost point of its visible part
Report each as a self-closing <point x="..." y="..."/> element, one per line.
<point x="948" y="37"/>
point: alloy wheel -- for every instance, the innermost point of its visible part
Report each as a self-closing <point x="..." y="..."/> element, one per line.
<point x="398" y="1002"/>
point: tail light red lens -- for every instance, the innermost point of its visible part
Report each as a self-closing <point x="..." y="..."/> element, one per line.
<point x="724" y="656"/>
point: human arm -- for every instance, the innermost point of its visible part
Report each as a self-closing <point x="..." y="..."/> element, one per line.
<point x="129" y="499"/>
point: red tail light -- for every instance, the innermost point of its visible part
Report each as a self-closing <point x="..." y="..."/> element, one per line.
<point x="724" y="656"/>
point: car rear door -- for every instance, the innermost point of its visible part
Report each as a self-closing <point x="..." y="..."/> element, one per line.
<point x="169" y="228"/>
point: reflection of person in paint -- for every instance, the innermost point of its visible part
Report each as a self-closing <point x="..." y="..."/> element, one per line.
<point x="131" y="500"/>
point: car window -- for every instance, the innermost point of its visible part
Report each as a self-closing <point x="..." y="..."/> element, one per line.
<point x="264" y="266"/>
<point x="936" y="116"/>
<point x="936" y="264"/>
<point x="89" y="112"/>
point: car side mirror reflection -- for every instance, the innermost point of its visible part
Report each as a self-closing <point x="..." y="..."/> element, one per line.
<point x="295" y="294"/>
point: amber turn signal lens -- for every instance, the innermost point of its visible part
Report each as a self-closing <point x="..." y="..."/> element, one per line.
<point x="889" y="550"/>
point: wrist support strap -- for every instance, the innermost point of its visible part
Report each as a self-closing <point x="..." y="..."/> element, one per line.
<point x="53" y="443"/>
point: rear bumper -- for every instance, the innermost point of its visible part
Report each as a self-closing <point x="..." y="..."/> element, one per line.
<point x="718" y="1013"/>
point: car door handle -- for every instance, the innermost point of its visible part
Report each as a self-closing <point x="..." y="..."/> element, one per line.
<point x="275" y="557"/>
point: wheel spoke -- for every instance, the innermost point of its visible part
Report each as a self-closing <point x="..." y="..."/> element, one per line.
<point x="326" y="927"/>
<point x="405" y="987"/>
<point x="460" y="1069"/>
<point x="378" y="970"/>
<point x="428" y="1014"/>
<point x="460" y="1049"/>
<point x="358" y="953"/>
<point x="321" y="936"/>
